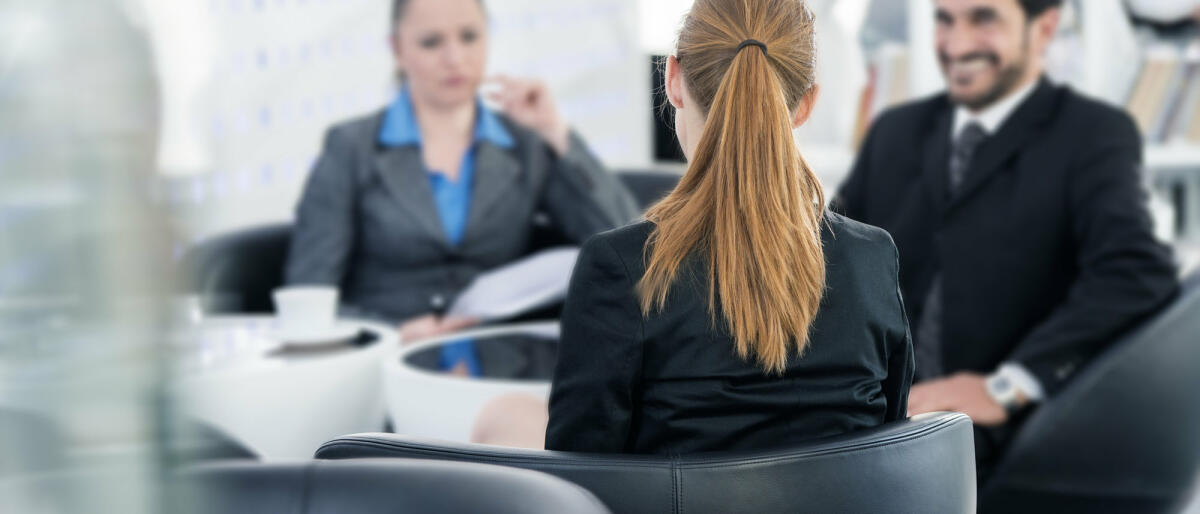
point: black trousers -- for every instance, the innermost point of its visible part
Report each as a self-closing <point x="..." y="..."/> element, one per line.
<point x="991" y="444"/>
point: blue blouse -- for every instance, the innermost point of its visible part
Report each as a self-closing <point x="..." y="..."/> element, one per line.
<point x="452" y="198"/>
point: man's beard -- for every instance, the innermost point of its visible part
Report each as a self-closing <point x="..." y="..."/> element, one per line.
<point x="1006" y="81"/>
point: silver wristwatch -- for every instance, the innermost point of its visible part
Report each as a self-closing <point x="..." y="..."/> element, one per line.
<point x="1002" y="389"/>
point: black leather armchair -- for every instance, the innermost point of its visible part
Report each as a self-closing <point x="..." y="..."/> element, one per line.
<point x="236" y="272"/>
<point x="396" y="486"/>
<point x="1123" y="436"/>
<point x="648" y="186"/>
<point x="378" y="486"/>
<point x="925" y="465"/>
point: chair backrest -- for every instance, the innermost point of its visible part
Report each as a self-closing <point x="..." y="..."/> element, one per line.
<point x="193" y="440"/>
<point x="1124" y="435"/>
<point x="394" y="486"/>
<point x="648" y="186"/>
<point x="236" y="272"/>
<point x="399" y="485"/>
<point x="925" y="464"/>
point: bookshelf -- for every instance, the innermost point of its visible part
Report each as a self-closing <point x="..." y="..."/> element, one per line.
<point x="1168" y="156"/>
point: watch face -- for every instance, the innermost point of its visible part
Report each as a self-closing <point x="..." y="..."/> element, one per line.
<point x="1000" y="387"/>
<point x="1001" y="384"/>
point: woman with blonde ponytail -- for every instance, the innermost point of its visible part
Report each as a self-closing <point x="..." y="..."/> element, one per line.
<point x="740" y="314"/>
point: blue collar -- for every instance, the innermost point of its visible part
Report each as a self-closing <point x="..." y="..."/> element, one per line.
<point x="400" y="128"/>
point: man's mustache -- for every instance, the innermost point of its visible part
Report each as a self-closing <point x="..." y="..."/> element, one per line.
<point x="991" y="58"/>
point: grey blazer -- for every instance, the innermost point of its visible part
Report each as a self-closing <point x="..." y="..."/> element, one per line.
<point x="367" y="222"/>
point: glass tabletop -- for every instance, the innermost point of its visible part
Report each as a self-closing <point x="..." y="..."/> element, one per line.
<point x="519" y="356"/>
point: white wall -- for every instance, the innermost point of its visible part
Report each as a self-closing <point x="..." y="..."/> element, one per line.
<point x="660" y="23"/>
<point x="251" y="85"/>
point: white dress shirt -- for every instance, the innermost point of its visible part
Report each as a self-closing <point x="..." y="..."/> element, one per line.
<point x="993" y="116"/>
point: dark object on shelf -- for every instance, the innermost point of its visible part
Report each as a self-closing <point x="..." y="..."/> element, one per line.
<point x="666" y="146"/>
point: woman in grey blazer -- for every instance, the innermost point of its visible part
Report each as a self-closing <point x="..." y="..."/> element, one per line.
<point x="405" y="207"/>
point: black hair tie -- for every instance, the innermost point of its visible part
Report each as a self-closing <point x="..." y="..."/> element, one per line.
<point x="753" y="42"/>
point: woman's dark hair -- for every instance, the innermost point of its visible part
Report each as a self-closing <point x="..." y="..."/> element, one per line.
<point x="400" y="7"/>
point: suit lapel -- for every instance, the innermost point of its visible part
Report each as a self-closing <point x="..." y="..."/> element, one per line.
<point x="496" y="171"/>
<point x="936" y="167"/>
<point x="1008" y="141"/>
<point x="403" y="173"/>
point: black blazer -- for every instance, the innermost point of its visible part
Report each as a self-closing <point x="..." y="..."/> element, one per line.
<point x="1047" y="250"/>
<point x="672" y="383"/>
<point x="367" y="222"/>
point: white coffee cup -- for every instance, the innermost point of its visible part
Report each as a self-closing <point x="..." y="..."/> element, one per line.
<point x="306" y="310"/>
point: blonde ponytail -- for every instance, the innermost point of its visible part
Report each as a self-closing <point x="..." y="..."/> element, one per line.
<point x="749" y="203"/>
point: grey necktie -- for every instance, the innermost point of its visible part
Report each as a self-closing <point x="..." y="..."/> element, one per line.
<point x="929" y="329"/>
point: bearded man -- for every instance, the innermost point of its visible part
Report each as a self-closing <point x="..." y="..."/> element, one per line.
<point x="1026" y="245"/>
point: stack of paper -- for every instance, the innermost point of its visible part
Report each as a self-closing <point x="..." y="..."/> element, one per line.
<point x="531" y="283"/>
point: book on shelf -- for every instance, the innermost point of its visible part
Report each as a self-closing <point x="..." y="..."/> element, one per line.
<point x="887" y="85"/>
<point x="862" y="119"/>
<point x="1186" y="117"/>
<point x="1188" y="123"/>
<point x="891" y="78"/>
<point x="1152" y="97"/>
<point x="1177" y="95"/>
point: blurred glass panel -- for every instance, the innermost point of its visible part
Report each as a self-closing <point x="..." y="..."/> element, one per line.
<point x="82" y="267"/>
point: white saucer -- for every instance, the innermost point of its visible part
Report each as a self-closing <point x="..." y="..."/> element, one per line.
<point x="334" y="334"/>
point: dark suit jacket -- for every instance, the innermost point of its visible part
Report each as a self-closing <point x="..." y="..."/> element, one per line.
<point x="1046" y="251"/>
<point x="672" y="383"/>
<point x="368" y="224"/>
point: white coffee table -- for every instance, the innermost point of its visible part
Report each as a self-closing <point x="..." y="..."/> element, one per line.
<point x="232" y="374"/>
<point x="423" y="401"/>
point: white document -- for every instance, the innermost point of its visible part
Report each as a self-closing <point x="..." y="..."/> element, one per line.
<point x="533" y="282"/>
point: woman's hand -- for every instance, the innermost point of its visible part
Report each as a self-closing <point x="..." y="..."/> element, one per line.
<point x="530" y="103"/>
<point x="429" y="326"/>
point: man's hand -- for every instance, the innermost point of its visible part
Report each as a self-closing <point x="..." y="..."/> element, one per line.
<point x="963" y="392"/>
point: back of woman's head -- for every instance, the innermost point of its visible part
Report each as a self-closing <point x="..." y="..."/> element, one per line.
<point x="749" y="205"/>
